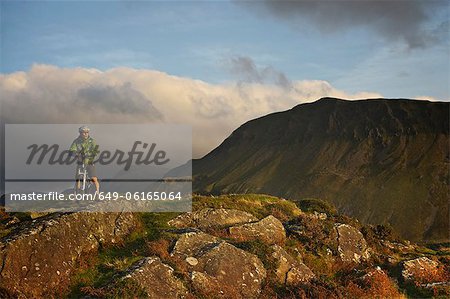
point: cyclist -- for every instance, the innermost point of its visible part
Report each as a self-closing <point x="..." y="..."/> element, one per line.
<point x="86" y="149"/>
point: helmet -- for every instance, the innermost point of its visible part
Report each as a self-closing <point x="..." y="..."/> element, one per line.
<point x="83" y="129"/>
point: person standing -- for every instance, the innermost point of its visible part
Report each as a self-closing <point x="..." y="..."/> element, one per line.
<point x="85" y="148"/>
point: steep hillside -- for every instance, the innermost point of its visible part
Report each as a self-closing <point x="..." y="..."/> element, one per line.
<point x="381" y="161"/>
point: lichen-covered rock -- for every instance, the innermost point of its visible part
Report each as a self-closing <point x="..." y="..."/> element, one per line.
<point x="420" y="269"/>
<point x="289" y="270"/>
<point x="352" y="246"/>
<point x="235" y="270"/>
<point x="318" y="215"/>
<point x="210" y="287"/>
<point x="219" y="268"/>
<point x="191" y="244"/>
<point x="155" y="278"/>
<point x="38" y="256"/>
<point x="208" y="217"/>
<point x="396" y="246"/>
<point x="269" y="230"/>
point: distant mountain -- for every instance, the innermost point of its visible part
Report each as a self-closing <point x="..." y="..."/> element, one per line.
<point x="381" y="161"/>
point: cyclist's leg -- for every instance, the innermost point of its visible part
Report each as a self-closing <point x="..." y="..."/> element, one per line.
<point x="93" y="176"/>
<point x="77" y="179"/>
<point x="96" y="183"/>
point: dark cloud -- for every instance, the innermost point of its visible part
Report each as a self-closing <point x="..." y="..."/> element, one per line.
<point x="117" y="100"/>
<point x="51" y="103"/>
<point x="247" y="71"/>
<point x="394" y="20"/>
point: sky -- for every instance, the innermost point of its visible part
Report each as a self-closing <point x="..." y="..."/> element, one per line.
<point x="214" y="64"/>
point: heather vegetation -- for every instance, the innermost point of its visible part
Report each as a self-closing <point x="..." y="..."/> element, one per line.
<point x="312" y="254"/>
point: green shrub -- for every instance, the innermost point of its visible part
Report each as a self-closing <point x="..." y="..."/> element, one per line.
<point x="375" y="233"/>
<point x="259" y="205"/>
<point x="313" y="204"/>
<point x="316" y="235"/>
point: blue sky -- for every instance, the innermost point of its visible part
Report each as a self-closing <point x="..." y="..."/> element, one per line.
<point x="199" y="40"/>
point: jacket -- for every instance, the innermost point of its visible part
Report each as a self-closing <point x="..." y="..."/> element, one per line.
<point x="86" y="147"/>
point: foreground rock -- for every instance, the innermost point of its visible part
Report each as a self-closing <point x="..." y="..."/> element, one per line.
<point x="288" y="270"/>
<point x="352" y="246"/>
<point x="192" y="244"/>
<point x="269" y="230"/>
<point x="219" y="268"/>
<point x="155" y="278"/>
<point x="421" y="270"/>
<point x="208" y="217"/>
<point x="38" y="257"/>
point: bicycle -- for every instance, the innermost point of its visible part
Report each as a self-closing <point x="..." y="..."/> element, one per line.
<point x="83" y="179"/>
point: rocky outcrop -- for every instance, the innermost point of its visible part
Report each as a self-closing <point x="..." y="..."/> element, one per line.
<point x="219" y="268"/>
<point x="191" y="244"/>
<point x="155" y="278"/>
<point x="208" y="217"/>
<point x="352" y="246"/>
<point x="420" y="269"/>
<point x="318" y="215"/>
<point x="269" y="230"/>
<point x="38" y="256"/>
<point x="232" y="268"/>
<point x="288" y="270"/>
<point x="210" y="287"/>
<point x="396" y="246"/>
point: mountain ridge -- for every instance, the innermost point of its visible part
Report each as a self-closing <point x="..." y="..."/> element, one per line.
<point x="370" y="158"/>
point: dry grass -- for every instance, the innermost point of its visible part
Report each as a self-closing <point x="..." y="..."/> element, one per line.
<point x="438" y="275"/>
<point x="278" y="213"/>
<point x="159" y="248"/>
<point x="123" y="289"/>
<point x="376" y="285"/>
<point x="259" y="205"/>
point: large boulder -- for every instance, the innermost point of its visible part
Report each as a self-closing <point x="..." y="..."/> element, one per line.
<point x="288" y="270"/>
<point x="208" y="286"/>
<point x="218" y="268"/>
<point x="191" y="244"/>
<point x="154" y="277"/>
<point x="38" y="257"/>
<point x="209" y="217"/>
<point x="269" y="230"/>
<point x="421" y="270"/>
<point x="232" y="268"/>
<point x="352" y="247"/>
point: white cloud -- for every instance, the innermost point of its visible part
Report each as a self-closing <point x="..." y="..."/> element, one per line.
<point x="49" y="94"/>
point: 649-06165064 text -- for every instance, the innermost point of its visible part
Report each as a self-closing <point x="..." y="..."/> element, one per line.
<point x="101" y="196"/>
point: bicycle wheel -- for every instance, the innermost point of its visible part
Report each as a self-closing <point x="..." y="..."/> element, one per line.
<point x="90" y="188"/>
